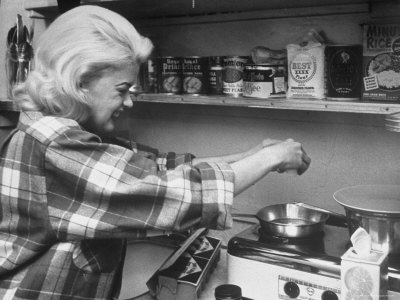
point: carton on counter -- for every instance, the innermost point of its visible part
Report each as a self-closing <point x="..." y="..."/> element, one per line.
<point x="381" y="62"/>
<point x="184" y="274"/>
<point x="364" y="277"/>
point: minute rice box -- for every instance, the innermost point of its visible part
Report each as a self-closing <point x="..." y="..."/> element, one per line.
<point x="381" y="62"/>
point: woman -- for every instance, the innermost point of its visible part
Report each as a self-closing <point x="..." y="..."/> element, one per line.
<point x="70" y="199"/>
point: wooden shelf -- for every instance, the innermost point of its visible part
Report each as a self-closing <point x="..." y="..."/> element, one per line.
<point x="275" y="103"/>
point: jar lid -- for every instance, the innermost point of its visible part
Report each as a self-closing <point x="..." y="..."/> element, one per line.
<point x="228" y="291"/>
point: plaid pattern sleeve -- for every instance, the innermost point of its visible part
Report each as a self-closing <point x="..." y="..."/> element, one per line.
<point x="164" y="161"/>
<point x="68" y="201"/>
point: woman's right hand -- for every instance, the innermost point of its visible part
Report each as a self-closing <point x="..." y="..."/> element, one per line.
<point x="280" y="156"/>
<point x="289" y="155"/>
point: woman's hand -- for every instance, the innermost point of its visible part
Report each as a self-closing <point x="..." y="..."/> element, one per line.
<point x="281" y="156"/>
<point x="290" y="155"/>
<point x="260" y="146"/>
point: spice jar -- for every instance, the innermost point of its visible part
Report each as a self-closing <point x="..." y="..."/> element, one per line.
<point x="228" y="292"/>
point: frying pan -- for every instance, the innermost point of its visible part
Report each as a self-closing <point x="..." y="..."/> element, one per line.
<point x="291" y="220"/>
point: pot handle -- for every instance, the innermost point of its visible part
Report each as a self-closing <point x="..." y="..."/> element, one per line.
<point x="334" y="219"/>
<point x="244" y="215"/>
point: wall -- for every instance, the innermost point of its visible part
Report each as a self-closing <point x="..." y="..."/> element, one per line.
<point x="346" y="149"/>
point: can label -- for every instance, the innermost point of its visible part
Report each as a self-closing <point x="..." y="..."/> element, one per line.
<point x="232" y="75"/>
<point x="306" y="68"/>
<point x="262" y="81"/>
<point x="215" y="82"/>
<point x="344" y="71"/>
<point x="194" y="75"/>
<point x="169" y="74"/>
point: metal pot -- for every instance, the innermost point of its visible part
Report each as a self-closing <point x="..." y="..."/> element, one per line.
<point x="289" y="220"/>
<point x="376" y="208"/>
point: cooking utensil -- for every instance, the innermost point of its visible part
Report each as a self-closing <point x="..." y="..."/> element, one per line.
<point x="376" y="208"/>
<point x="289" y="220"/>
<point x="334" y="219"/>
<point x="19" y="54"/>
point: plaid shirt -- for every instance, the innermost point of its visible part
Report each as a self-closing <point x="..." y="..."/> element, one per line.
<point x="69" y="200"/>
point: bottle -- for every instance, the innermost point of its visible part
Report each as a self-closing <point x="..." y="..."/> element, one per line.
<point x="215" y="86"/>
<point x="228" y="292"/>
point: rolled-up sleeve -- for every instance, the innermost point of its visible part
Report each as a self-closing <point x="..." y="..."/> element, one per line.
<point x="98" y="190"/>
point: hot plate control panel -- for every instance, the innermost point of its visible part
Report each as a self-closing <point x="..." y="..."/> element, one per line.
<point x="293" y="288"/>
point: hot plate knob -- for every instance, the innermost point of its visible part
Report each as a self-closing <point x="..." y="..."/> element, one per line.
<point x="329" y="295"/>
<point x="291" y="289"/>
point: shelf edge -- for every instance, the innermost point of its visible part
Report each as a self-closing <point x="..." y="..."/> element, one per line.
<point x="275" y="103"/>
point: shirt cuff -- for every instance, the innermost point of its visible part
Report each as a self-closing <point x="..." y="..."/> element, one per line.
<point x="217" y="195"/>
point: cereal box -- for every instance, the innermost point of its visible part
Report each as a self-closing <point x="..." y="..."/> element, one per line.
<point x="381" y="62"/>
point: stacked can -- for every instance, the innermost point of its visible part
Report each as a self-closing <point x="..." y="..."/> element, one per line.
<point x="232" y="75"/>
<point x="215" y="81"/>
<point x="264" y="81"/>
<point x="344" y="72"/>
<point x="169" y="71"/>
<point x="194" y="70"/>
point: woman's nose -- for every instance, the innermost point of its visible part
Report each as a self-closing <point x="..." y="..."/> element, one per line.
<point x="133" y="92"/>
<point x="128" y="101"/>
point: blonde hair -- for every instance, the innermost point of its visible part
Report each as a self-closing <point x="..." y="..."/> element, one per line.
<point x="75" y="49"/>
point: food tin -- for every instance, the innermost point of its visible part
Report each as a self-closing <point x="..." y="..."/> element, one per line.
<point x="264" y="81"/>
<point x="194" y="70"/>
<point x="214" y="74"/>
<point x="148" y="76"/>
<point x="344" y="72"/>
<point x="232" y="75"/>
<point x="169" y="73"/>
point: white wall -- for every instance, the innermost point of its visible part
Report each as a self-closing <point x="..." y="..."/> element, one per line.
<point x="346" y="149"/>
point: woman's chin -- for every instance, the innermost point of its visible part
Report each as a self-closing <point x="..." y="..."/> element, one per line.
<point x="109" y="127"/>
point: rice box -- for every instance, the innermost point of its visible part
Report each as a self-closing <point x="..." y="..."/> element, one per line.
<point x="381" y="62"/>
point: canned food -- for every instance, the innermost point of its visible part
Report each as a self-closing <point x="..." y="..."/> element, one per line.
<point x="148" y="76"/>
<point x="232" y="75"/>
<point x="344" y="72"/>
<point x="169" y="71"/>
<point x="215" y="82"/>
<point x="194" y="70"/>
<point x="264" y="81"/>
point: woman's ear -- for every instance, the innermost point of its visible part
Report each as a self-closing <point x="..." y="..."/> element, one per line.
<point x="83" y="86"/>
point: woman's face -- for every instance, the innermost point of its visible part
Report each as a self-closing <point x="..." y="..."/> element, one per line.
<point x="110" y="95"/>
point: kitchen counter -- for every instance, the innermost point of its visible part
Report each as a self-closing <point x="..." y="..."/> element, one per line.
<point x="144" y="259"/>
<point x="218" y="276"/>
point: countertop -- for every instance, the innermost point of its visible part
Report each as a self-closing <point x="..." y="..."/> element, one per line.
<point x="144" y="259"/>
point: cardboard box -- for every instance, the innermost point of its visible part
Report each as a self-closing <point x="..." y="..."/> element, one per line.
<point x="381" y="62"/>
<point x="364" y="277"/>
<point x="183" y="275"/>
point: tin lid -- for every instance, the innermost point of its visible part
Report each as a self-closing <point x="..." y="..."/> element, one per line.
<point x="216" y="60"/>
<point x="262" y="66"/>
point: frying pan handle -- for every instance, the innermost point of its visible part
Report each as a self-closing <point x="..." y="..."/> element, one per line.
<point x="244" y="215"/>
<point x="334" y="219"/>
